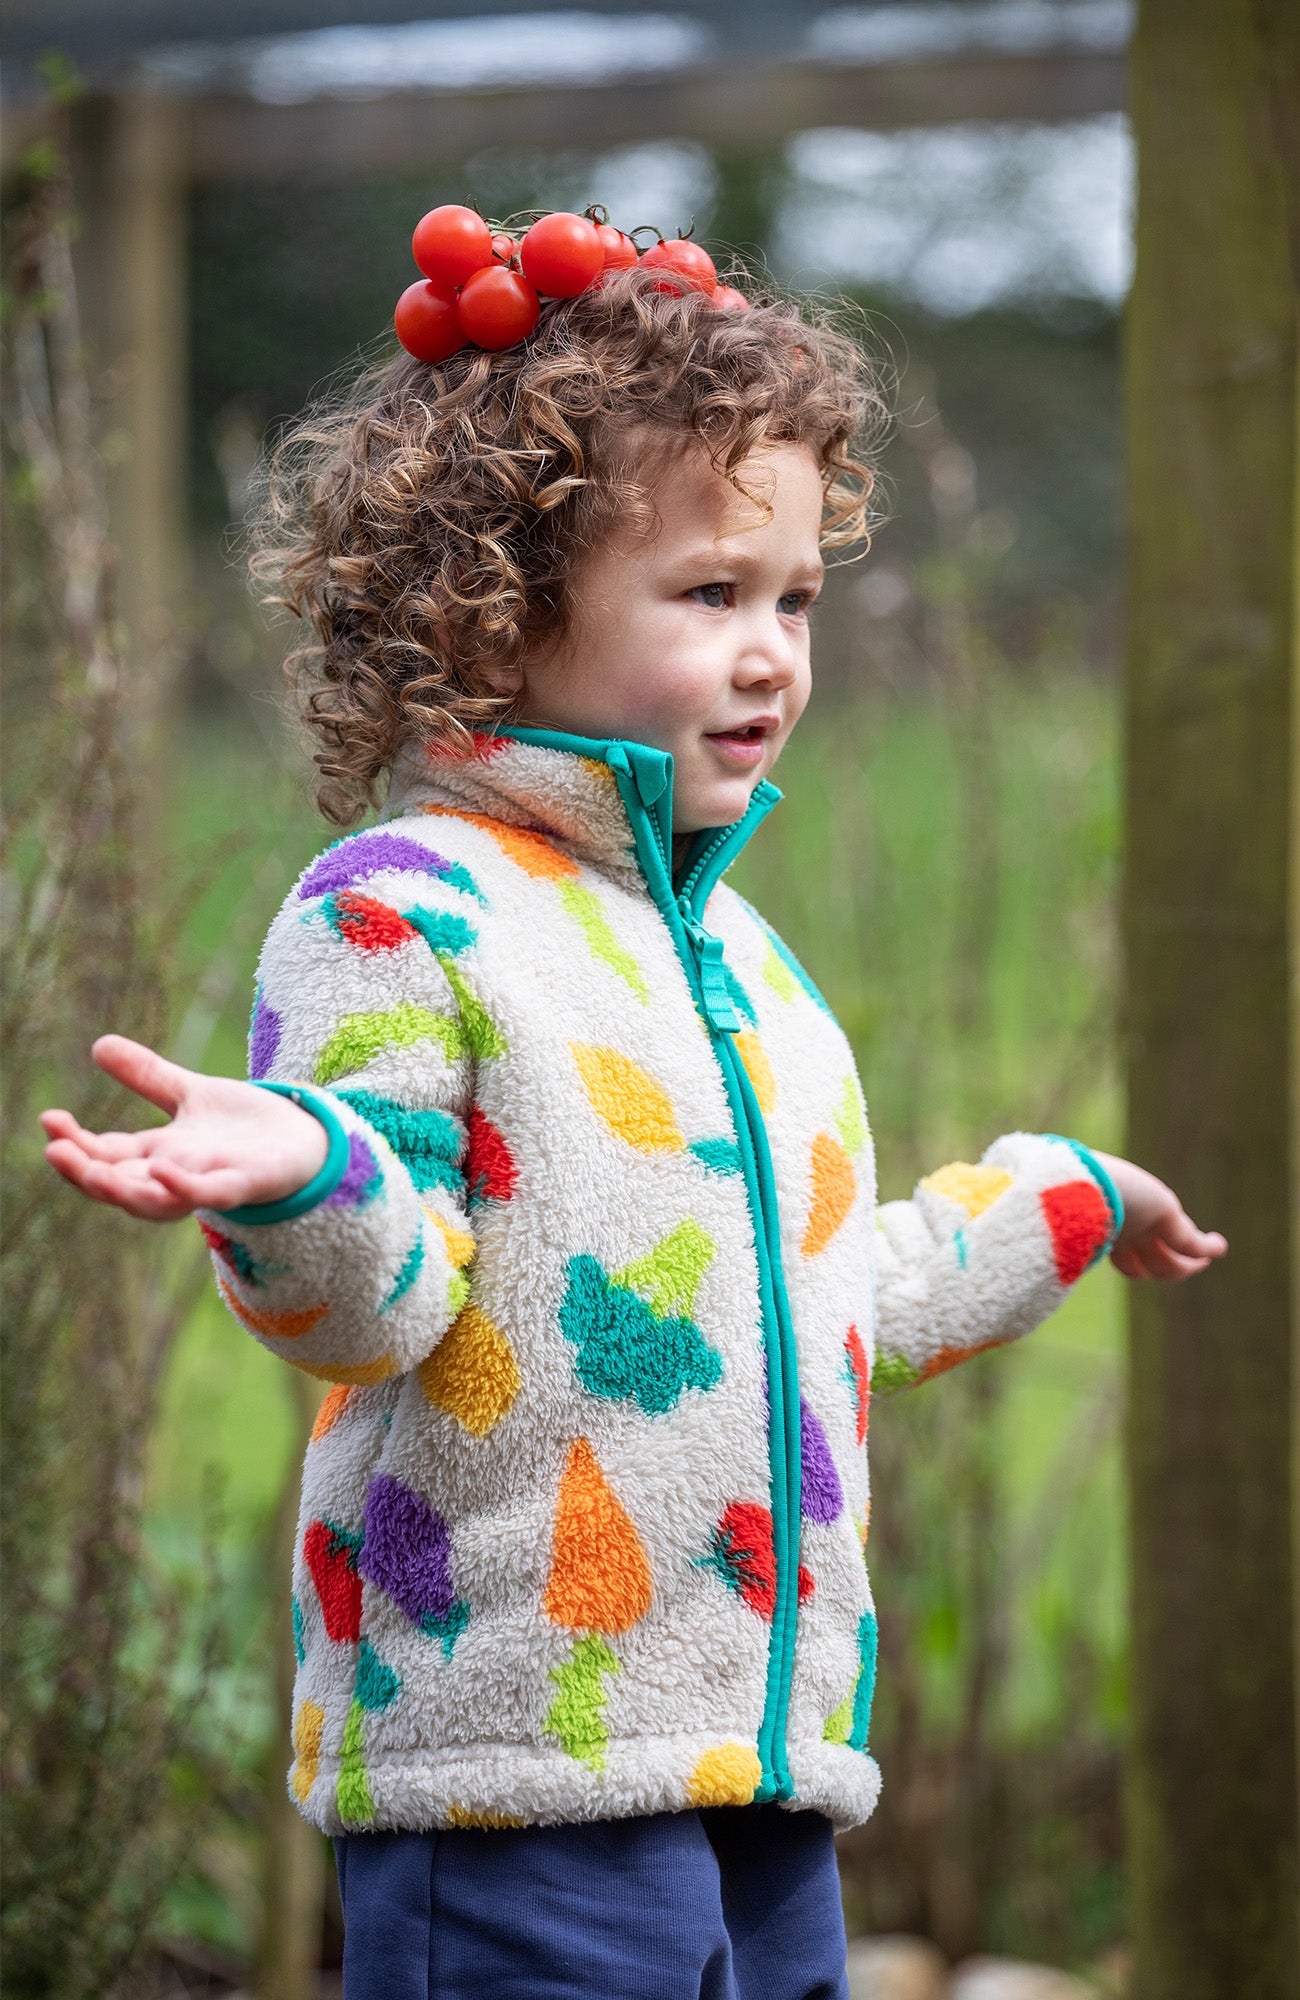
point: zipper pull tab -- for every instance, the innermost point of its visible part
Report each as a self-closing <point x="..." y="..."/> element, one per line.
<point x="719" y="1009"/>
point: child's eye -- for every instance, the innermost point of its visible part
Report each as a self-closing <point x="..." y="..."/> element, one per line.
<point x="794" y="603"/>
<point x="714" y="595"/>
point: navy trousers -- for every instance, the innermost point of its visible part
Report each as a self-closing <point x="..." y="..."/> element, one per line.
<point x="728" y="1903"/>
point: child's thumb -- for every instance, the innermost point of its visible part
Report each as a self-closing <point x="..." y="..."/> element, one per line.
<point x="142" y="1070"/>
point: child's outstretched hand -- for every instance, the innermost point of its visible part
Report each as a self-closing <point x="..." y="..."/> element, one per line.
<point x="1159" y="1239"/>
<point x="228" y="1142"/>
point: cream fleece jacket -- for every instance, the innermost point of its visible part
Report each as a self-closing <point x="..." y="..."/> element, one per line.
<point x="596" y="1273"/>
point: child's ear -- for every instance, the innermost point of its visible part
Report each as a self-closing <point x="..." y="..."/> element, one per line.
<point x="503" y="679"/>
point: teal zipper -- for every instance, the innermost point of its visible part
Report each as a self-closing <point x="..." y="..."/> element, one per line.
<point x="645" y="781"/>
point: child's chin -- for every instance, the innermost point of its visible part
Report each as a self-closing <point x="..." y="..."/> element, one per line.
<point x="714" y="805"/>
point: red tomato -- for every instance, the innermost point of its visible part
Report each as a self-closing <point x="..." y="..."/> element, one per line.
<point x="503" y="247"/>
<point x="497" y="308"/>
<point x="561" y="255"/>
<point x="451" y="243"/>
<point x="620" y="252"/>
<point x="426" y="322"/>
<point x="688" y="260"/>
<point x="728" y="299"/>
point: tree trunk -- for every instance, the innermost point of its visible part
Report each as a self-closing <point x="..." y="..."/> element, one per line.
<point x="1210" y="941"/>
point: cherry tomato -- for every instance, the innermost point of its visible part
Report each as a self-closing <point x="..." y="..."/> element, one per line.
<point x="561" y="255"/>
<point x="503" y="247"/>
<point x="620" y="252"/>
<point x="426" y="322"/>
<point x="451" y="243"/>
<point x="688" y="260"/>
<point x="728" y="299"/>
<point x="497" y="308"/>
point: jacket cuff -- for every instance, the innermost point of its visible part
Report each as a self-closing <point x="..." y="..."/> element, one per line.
<point x="321" y="1184"/>
<point x="1114" y="1200"/>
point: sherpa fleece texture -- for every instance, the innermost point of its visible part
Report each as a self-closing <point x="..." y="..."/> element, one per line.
<point x="536" y="1573"/>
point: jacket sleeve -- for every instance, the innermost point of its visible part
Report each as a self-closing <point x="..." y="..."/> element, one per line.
<point x="981" y="1254"/>
<point x="365" y="1016"/>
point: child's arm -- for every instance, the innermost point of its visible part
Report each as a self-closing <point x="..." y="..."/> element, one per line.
<point x="980" y="1254"/>
<point x="339" y="1230"/>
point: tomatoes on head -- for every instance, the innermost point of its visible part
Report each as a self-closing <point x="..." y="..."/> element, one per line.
<point x="503" y="247"/>
<point x="497" y="307"/>
<point x="684" y="260"/>
<point x="562" y="254"/>
<point x="728" y="299"/>
<point x="426" y="322"/>
<point x="451" y="243"/>
<point x="619" y="251"/>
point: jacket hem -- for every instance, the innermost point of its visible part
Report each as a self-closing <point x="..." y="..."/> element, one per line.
<point x="509" y="1784"/>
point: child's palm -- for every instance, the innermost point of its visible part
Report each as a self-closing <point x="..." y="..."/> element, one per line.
<point x="227" y="1143"/>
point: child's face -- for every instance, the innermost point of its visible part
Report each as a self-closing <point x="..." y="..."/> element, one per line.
<point x="695" y="639"/>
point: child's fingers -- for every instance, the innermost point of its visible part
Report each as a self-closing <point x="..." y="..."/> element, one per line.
<point x="217" y="1187"/>
<point x="108" y="1146"/>
<point x="1182" y="1235"/>
<point x="1127" y="1262"/>
<point x="1171" y="1265"/>
<point x="128" y="1186"/>
<point x="141" y="1070"/>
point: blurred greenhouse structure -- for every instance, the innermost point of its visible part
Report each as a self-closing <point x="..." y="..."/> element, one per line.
<point x="1057" y="709"/>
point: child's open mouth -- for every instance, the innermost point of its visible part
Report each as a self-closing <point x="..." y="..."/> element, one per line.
<point x="742" y="746"/>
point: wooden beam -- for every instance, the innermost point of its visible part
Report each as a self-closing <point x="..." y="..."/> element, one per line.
<point x="725" y="104"/>
<point x="1213" y="770"/>
<point x="742" y="104"/>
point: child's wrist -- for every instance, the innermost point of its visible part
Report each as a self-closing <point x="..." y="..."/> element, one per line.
<point x="320" y="1184"/>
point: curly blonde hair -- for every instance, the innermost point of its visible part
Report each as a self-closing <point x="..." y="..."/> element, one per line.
<point x="425" y="527"/>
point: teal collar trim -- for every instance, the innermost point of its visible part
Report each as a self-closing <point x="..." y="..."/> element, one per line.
<point x="646" y="783"/>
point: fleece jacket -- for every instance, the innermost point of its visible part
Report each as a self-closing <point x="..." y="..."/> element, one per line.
<point x="596" y="1274"/>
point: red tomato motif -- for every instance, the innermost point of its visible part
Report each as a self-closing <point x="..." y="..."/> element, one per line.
<point x="497" y="308"/>
<point x="451" y="243"/>
<point x="562" y="254"/>
<point x="728" y="299"/>
<point x="426" y="322"/>
<point x="618" y="250"/>
<point x="686" y="261"/>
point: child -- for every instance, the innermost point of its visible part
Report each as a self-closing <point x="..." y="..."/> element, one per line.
<point x="556" y="1169"/>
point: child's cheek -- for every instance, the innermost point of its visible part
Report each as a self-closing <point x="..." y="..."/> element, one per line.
<point x="682" y="681"/>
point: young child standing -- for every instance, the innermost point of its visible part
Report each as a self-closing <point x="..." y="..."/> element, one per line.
<point x="555" y="1167"/>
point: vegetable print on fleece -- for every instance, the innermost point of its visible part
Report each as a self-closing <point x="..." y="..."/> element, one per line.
<point x="595" y="1275"/>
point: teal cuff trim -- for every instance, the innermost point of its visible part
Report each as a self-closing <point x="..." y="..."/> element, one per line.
<point x="321" y="1184"/>
<point x="1114" y="1200"/>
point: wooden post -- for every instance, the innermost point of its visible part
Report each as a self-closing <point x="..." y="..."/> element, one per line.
<point x="130" y="170"/>
<point x="1213" y="767"/>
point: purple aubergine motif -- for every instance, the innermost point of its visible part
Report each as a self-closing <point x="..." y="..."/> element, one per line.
<point x="361" y="855"/>
<point x="407" y="1553"/>
<point x="823" y="1498"/>
<point x="361" y="1180"/>
<point x="263" y="1036"/>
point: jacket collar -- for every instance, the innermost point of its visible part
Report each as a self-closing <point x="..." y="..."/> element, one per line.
<point x="608" y="801"/>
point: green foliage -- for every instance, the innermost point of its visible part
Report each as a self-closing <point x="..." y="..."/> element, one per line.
<point x="102" y="1659"/>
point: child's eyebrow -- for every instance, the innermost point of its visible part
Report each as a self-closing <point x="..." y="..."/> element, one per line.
<point x="733" y="556"/>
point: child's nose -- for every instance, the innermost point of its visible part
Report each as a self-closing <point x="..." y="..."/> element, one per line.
<point x="770" y="655"/>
